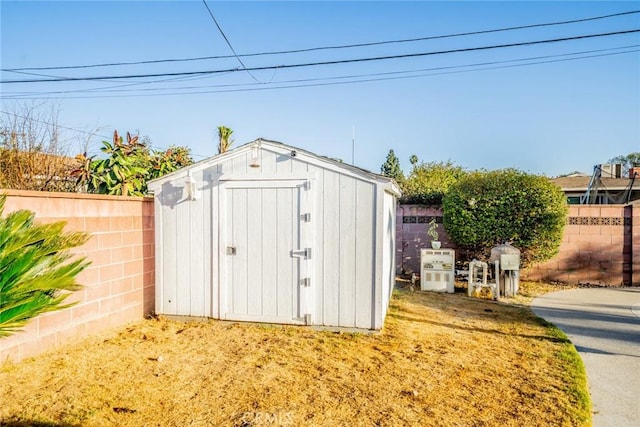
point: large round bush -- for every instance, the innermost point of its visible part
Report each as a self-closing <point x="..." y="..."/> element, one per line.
<point x="486" y="208"/>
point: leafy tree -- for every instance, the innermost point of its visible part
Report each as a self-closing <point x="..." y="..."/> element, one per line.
<point x="124" y="171"/>
<point x="34" y="272"/>
<point x="128" y="167"/>
<point x="628" y="161"/>
<point x="391" y="167"/>
<point x="164" y="162"/>
<point x="484" y="209"/>
<point x="429" y="182"/>
<point x="224" y="137"/>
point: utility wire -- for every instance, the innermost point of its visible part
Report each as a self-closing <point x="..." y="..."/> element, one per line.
<point x="115" y="89"/>
<point x="228" y="42"/>
<point x="312" y="49"/>
<point x="263" y="87"/>
<point x="335" y="62"/>
<point x="52" y="124"/>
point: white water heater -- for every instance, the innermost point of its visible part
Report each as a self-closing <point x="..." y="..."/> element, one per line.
<point x="437" y="270"/>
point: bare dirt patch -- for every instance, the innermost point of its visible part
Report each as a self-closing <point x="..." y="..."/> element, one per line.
<point x="444" y="360"/>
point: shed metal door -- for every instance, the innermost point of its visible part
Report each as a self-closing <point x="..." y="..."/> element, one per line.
<point x="267" y="251"/>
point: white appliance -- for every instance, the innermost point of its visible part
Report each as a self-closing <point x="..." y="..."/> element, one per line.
<point x="437" y="270"/>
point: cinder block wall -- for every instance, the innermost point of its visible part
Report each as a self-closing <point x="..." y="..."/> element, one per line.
<point x="411" y="235"/>
<point x="595" y="248"/>
<point x="119" y="283"/>
<point x="634" y="243"/>
<point x="600" y="245"/>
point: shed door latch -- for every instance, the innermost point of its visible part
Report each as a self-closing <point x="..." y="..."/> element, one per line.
<point x="303" y="253"/>
<point x="306" y="282"/>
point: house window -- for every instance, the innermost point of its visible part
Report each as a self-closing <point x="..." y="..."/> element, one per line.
<point x="573" y="200"/>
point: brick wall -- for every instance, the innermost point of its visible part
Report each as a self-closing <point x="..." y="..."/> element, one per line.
<point x="119" y="283"/>
<point x="634" y="243"/>
<point x="600" y="245"/>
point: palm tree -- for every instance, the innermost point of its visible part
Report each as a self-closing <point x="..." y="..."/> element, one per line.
<point x="35" y="276"/>
<point x="224" y="135"/>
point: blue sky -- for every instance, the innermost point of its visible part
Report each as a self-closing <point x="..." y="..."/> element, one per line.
<point x="550" y="118"/>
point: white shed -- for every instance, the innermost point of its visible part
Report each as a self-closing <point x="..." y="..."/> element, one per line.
<point x="271" y="233"/>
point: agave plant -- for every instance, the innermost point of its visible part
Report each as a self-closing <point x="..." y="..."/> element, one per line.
<point x="36" y="273"/>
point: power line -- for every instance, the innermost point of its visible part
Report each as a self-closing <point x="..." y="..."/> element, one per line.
<point x="334" y="62"/>
<point x="52" y="124"/>
<point x="215" y="21"/>
<point x="263" y="87"/>
<point x="312" y="49"/>
<point x="108" y="88"/>
<point x="114" y="89"/>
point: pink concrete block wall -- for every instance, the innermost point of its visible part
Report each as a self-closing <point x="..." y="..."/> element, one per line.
<point x="119" y="283"/>
<point x="592" y="249"/>
<point x="600" y="245"/>
<point x="412" y="236"/>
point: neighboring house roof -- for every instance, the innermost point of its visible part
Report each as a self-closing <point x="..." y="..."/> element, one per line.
<point x="571" y="175"/>
<point x="304" y="155"/>
<point x="581" y="183"/>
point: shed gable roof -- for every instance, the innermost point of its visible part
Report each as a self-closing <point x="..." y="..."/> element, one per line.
<point x="304" y="155"/>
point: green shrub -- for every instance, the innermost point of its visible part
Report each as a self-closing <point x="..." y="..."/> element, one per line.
<point x="428" y="183"/>
<point x="128" y="167"/>
<point x="484" y="209"/>
<point x="34" y="273"/>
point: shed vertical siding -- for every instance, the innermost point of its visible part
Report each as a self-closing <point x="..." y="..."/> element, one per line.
<point x="285" y="268"/>
<point x="239" y="261"/>
<point x="329" y="238"/>
<point x="160" y="230"/>
<point x="169" y="263"/>
<point x="211" y="218"/>
<point x="345" y="268"/>
<point x="346" y="253"/>
<point x="365" y="255"/>
<point x="269" y="255"/>
<point x="254" y="251"/>
<point x="388" y="251"/>
<point x="353" y="246"/>
<point x="187" y="239"/>
<point x="195" y="283"/>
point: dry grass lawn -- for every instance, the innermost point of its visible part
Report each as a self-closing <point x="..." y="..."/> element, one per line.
<point x="441" y="360"/>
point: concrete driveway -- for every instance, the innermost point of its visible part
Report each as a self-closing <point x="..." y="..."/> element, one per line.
<point x="604" y="325"/>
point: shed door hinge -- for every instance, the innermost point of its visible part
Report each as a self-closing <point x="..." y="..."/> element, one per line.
<point x="306" y="282"/>
<point x="306" y="217"/>
<point x="306" y="318"/>
<point x="306" y="253"/>
<point x="307" y="185"/>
